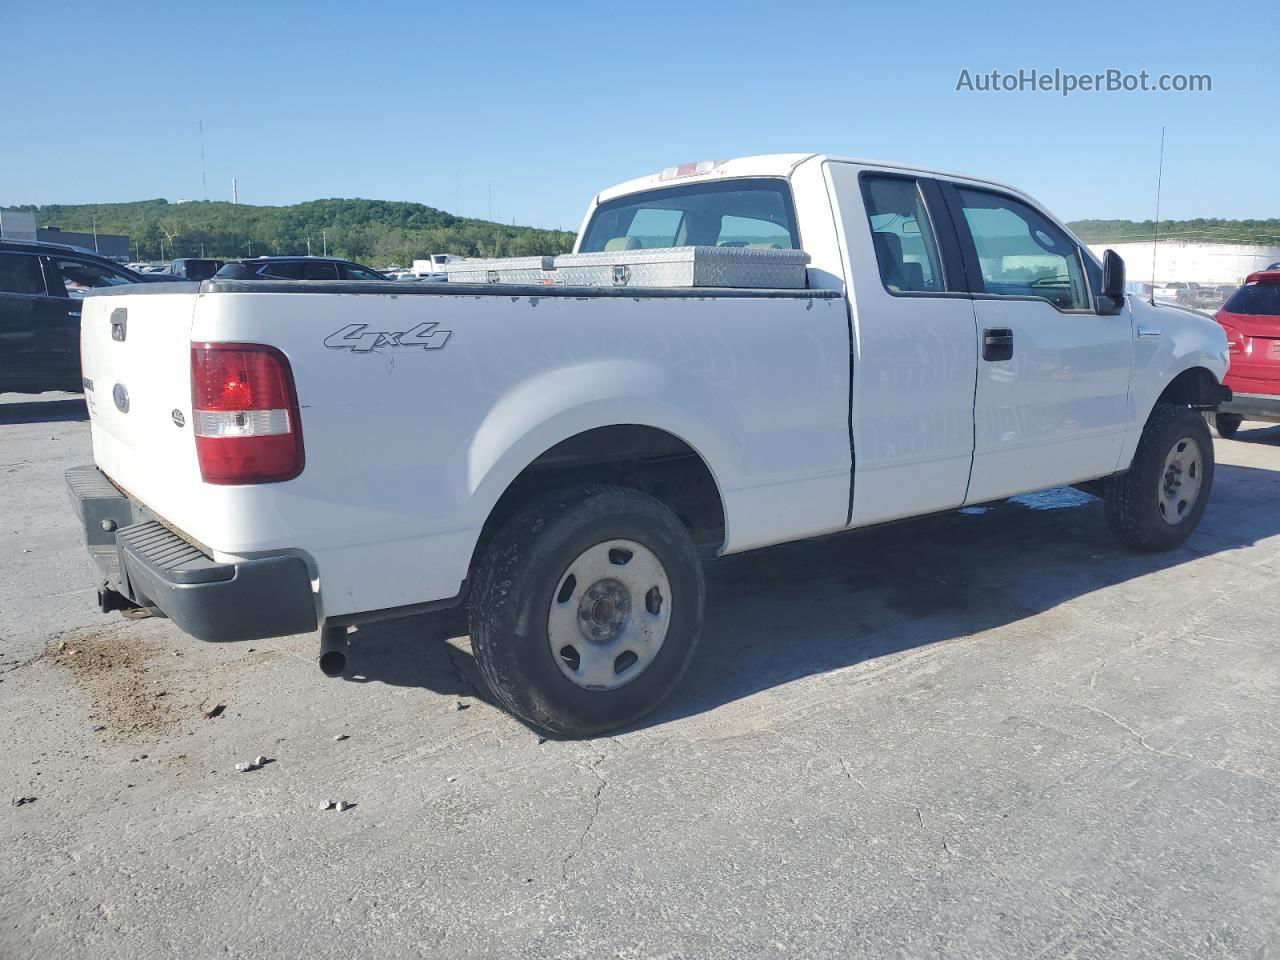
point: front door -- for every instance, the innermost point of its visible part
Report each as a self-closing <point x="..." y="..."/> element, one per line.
<point x="914" y="344"/>
<point x="1052" y="399"/>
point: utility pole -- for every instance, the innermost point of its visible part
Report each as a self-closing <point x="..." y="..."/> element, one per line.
<point x="95" y="234"/>
<point x="324" y="239"/>
<point x="204" y="179"/>
<point x="491" y="201"/>
<point x="308" y="246"/>
<point x="235" y="194"/>
<point x="251" y="248"/>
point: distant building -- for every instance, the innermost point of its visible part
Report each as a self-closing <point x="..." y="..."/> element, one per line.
<point x="17" y="225"/>
<point x="1176" y="261"/>
<point x="105" y="244"/>
<point x="21" y="225"/>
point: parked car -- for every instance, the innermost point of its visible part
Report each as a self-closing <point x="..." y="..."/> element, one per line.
<point x="41" y="289"/>
<point x="1210" y="296"/>
<point x="557" y="458"/>
<point x="297" y="268"/>
<point x="1173" y="292"/>
<point x="1274" y="266"/>
<point x="195" y="268"/>
<point x="1251" y="319"/>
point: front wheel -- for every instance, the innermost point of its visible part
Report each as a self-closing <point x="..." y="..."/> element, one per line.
<point x="586" y="609"/>
<point x="1158" y="501"/>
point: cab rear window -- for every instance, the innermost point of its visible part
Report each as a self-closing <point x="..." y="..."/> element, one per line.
<point x="754" y="213"/>
<point x="1262" y="299"/>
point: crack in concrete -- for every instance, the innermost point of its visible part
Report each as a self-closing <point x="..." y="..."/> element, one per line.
<point x="884" y="797"/>
<point x="1146" y="745"/>
<point x="601" y="783"/>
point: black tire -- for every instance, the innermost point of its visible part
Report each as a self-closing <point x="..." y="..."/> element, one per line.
<point x="517" y="579"/>
<point x="1224" y="425"/>
<point x="1133" y="502"/>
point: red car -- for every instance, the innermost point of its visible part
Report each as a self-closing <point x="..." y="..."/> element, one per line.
<point x="1251" y="317"/>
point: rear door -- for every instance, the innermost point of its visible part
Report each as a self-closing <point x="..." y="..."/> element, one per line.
<point x="34" y="352"/>
<point x="1052" y="399"/>
<point x="914" y="343"/>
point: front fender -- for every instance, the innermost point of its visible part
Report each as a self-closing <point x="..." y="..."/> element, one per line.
<point x="1186" y="340"/>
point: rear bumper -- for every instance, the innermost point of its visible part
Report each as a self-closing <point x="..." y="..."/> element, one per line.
<point x="1253" y="406"/>
<point x="150" y="565"/>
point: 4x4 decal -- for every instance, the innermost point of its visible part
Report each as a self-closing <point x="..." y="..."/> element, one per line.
<point x="356" y="338"/>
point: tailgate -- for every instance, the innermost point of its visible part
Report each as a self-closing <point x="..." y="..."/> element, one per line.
<point x="136" y="356"/>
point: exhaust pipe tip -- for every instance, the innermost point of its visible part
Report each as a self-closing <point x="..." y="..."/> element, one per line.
<point x="333" y="663"/>
<point x="333" y="651"/>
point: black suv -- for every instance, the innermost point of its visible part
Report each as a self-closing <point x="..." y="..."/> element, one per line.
<point x="41" y="286"/>
<point x="297" y="268"/>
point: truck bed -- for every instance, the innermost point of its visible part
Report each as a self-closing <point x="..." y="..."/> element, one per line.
<point x="420" y="404"/>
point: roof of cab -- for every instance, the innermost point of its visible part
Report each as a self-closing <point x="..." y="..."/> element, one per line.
<point x="781" y="165"/>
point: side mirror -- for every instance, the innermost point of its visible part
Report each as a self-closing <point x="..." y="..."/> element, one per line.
<point x="1111" y="300"/>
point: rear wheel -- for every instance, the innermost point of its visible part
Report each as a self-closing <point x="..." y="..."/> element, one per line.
<point x="1158" y="501"/>
<point x="586" y="609"/>
<point x="1224" y="425"/>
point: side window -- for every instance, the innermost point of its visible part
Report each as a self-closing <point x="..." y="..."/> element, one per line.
<point x="81" y="277"/>
<point x="319" y="271"/>
<point x="20" y="273"/>
<point x="288" y="270"/>
<point x="902" y="235"/>
<point x="351" y="271"/>
<point x="1022" y="254"/>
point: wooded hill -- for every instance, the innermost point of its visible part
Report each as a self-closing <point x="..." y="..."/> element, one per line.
<point x="1264" y="232"/>
<point x="378" y="232"/>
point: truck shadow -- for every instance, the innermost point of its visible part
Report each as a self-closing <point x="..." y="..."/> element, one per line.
<point x="44" y="411"/>
<point x="780" y="614"/>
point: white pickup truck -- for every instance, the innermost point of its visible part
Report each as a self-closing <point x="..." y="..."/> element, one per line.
<point x="273" y="458"/>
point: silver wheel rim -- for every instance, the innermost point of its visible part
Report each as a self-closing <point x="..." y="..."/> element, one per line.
<point x="609" y="614"/>
<point x="1180" y="480"/>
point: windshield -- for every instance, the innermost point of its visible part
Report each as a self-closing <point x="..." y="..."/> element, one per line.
<point x="753" y="213"/>
<point x="1259" y="299"/>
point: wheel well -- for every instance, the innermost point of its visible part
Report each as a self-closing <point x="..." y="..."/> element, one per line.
<point x="628" y="455"/>
<point x="1193" y="387"/>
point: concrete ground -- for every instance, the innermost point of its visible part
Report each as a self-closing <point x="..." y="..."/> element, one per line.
<point x="992" y="734"/>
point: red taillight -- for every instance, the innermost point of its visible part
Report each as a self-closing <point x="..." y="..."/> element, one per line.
<point x="1235" y="339"/>
<point x="244" y="412"/>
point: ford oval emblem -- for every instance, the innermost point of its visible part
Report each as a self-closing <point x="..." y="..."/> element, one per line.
<point x="121" y="396"/>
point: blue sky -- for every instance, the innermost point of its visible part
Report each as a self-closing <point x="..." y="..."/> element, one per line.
<point x="547" y="102"/>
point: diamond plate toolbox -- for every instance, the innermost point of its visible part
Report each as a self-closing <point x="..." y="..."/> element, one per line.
<point x="667" y="267"/>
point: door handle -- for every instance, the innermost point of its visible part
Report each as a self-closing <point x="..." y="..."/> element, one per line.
<point x="997" y="343"/>
<point x="1145" y="331"/>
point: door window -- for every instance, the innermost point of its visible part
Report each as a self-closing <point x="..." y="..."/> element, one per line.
<point x="80" y="277"/>
<point x="320" y="271"/>
<point x="20" y="273"/>
<point x="353" y="271"/>
<point x="902" y="235"/>
<point x="1022" y="254"/>
<point x="282" y="270"/>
